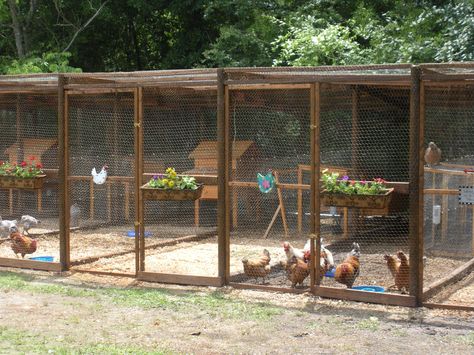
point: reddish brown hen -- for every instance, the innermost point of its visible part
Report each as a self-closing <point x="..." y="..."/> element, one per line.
<point x="347" y="271"/>
<point x="297" y="271"/>
<point x="22" y="244"/>
<point x="257" y="267"/>
<point x="402" y="278"/>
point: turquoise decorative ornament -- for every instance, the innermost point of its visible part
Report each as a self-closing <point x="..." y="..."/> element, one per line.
<point x="266" y="182"/>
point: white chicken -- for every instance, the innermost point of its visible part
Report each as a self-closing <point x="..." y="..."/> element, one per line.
<point x="5" y="226"/>
<point x="28" y="222"/>
<point x="290" y="251"/>
<point x="326" y="255"/>
<point x="99" y="178"/>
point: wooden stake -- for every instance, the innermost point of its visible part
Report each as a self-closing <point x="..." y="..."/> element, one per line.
<point x="281" y="204"/>
<point x="275" y="215"/>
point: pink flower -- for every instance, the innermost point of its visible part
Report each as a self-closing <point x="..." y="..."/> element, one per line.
<point x="23" y="164"/>
<point x="266" y="184"/>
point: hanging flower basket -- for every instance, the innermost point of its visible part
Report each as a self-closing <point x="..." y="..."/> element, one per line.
<point x="15" y="182"/>
<point x="160" y="194"/>
<point x="172" y="187"/>
<point x="378" y="201"/>
<point x="26" y="175"/>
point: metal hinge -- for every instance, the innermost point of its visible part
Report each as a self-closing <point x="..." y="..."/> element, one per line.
<point x="137" y="124"/>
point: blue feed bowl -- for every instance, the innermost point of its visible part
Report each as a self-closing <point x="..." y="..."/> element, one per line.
<point x="48" y="259"/>
<point x="330" y="273"/>
<point x="131" y="234"/>
<point x="369" y="288"/>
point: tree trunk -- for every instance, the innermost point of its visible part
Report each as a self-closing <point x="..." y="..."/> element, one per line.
<point x="17" y="29"/>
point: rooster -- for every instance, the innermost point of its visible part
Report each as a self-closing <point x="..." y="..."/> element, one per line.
<point x="347" y="271"/>
<point x="402" y="278"/>
<point x="21" y="244"/>
<point x="257" y="267"/>
<point x="297" y="271"/>
<point x="28" y="222"/>
<point x="99" y="178"/>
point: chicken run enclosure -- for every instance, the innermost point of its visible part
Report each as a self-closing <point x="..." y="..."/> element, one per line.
<point x="261" y="141"/>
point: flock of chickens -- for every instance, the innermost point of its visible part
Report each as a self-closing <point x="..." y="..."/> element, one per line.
<point x="297" y="266"/>
<point x="21" y="242"/>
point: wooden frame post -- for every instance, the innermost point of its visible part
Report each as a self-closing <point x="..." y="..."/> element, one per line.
<point x="222" y="180"/>
<point x="139" y="203"/>
<point x="63" y="172"/>
<point x="315" y="202"/>
<point x="416" y="187"/>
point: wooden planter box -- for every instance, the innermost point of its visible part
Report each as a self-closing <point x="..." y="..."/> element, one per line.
<point x="155" y="194"/>
<point x="358" y="201"/>
<point x="14" y="182"/>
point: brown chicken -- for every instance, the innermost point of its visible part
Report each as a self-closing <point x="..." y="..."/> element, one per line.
<point x="297" y="271"/>
<point x="432" y="154"/>
<point x="347" y="271"/>
<point x="22" y="244"/>
<point x="393" y="264"/>
<point x="258" y="267"/>
<point x="402" y="278"/>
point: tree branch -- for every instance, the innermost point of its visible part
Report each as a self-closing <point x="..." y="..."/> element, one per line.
<point x="84" y="26"/>
<point x="17" y="29"/>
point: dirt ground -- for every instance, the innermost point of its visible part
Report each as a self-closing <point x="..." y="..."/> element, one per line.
<point x="200" y="258"/>
<point x="58" y="314"/>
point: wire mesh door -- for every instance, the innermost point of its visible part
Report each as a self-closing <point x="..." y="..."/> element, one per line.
<point x="269" y="189"/>
<point x="364" y="135"/>
<point x="180" y="234"/>
<point x="449" y="187"/>
<point x="28" y="197"/>
<point x="101" y="167"/>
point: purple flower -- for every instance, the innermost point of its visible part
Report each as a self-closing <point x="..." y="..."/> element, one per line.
<point x="155" y="177"/>
<point x="345" y="178"/>
<point x="266" y="184"/>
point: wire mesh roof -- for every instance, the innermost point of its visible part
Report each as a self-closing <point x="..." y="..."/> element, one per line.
<point x="388" y="74"/>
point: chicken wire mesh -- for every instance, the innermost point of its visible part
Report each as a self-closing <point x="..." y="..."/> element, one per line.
<point x="29" y="137"/>
<point x="364" y="135"/>
<point x="101" y="162"/>
<point x="269" y="135"/>
<point x="180" y="131"/>
<point x="449" y="186"/>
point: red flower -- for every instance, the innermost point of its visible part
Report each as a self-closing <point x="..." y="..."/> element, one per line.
<point x="39" y="166"/>
<point x="32" y="157"/>
<point x="23" y="164"/>
<point x="2" y="162"/>
<point x="30" y="169"/>
<point x="352" y="182"/>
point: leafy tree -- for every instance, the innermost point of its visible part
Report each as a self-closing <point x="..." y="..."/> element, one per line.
<point x="49" y="62"/>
